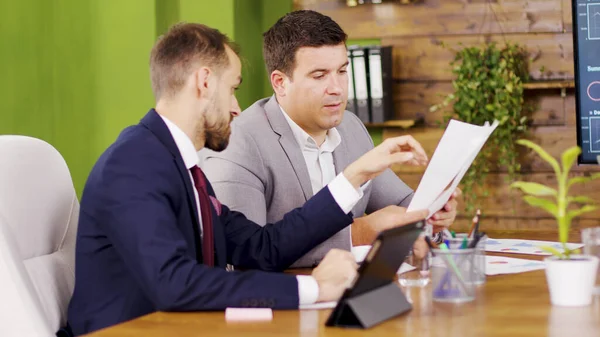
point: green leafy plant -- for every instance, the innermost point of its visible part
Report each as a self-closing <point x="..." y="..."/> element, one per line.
<point x="489" y="86"/>
<point x="557" y="201"/>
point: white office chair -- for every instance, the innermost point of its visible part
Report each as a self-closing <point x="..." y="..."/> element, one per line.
<point x="38" y="223"/>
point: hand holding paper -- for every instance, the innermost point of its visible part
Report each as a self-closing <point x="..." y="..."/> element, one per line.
<point x="445" y="217"/>
<point x="453" y="156"/>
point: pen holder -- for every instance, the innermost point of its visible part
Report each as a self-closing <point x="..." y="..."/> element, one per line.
<point x="452" y="278"/>
<point x="479" y="259"/>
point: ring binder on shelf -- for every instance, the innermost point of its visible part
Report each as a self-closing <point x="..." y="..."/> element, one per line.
<point x="351" y="105"/>
<point x="381" y="83"/>
<point x="360" y="84"/>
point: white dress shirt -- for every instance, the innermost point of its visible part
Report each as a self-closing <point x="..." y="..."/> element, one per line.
<point x="345" y="195"/>
<point x="319" y="159"/>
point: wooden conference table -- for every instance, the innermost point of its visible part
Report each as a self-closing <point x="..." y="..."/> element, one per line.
<point x="507" y="305"/>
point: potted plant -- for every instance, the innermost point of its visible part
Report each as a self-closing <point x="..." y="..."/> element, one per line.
<point x="569" y="274"/>
<point x="488" y="85"/>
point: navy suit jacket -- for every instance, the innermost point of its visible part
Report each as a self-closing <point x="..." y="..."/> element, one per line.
<point x="138" y="247"/>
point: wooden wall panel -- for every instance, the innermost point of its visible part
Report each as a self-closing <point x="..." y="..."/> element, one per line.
<point x="412" y="100"/>
<point x="567" y="16"/>
<point x="423" y="77"/>
<point x="511" y="224"/>
<point x="554" y="139"/>
<point x="424" y="59"/>
<point x="503" y="201"/>
<point x="442" y="17"/>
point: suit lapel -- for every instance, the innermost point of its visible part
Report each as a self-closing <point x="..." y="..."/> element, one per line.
<point x="289" y="144"/>
<point x="158" y="127"/>
<point x="340" y="157"/>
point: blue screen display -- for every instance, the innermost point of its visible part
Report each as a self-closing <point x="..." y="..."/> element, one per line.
<point x="586" y="46"/>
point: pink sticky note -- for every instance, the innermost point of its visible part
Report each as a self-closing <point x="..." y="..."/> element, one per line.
<point x="248" y="314"/>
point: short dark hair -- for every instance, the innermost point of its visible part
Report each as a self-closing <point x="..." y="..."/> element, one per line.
<point x="303" y="28"/>
<point x="180" y="50"/>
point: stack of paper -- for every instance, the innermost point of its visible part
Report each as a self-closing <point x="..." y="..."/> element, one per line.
<point x="496" y="265"/>
<point x="453" y="156"/>
<point x="520" y="246"/>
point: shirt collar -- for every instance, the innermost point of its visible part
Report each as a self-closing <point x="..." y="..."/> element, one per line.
<point x="184" y="144"/>
<point x="332" y="139"/>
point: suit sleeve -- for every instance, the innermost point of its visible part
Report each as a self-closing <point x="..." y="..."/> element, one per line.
<point x="276" y="246"/>
<point x="237" y="176"/>
<point x="136" y="196"/>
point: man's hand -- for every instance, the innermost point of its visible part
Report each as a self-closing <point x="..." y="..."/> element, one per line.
<point x="366" y="228"/>
<point x="420" y="248"/>
<point x="445" y="217"/>
<point x="334" y="274"/>
<point x="398" y="150"/>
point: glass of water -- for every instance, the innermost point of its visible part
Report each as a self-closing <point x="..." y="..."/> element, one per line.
<point x="419" y="277"/>
<point x="590" y="237"/>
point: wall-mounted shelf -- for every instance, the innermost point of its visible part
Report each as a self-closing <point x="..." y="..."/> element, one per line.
<point x="556" y="84"/>
<point x="549" y="85"/>
<point x="402" y="123"/>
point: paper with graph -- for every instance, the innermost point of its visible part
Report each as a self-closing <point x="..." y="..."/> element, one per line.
<point x="519" y="246"/>
<point x="453" y="156"/>
<point x="497" y="265"/>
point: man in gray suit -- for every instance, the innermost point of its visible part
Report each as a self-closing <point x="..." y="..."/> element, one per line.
<point x="285" y="148"/>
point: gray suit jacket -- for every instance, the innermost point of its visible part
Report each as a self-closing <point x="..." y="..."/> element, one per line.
<point x="262" y="173"/>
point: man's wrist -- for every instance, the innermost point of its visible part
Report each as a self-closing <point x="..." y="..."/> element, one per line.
<point x="354" y="177"/>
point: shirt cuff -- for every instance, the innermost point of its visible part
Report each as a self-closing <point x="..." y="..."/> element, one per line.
<point x="308" y="289"/>
<point x="344" y="194"/>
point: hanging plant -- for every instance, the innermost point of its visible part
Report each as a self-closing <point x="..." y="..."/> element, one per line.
<point x="489" y="86"/>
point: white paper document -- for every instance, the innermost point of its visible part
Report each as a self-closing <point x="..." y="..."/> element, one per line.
<point x="453" y="156"/>
<point x="496" y="265"/>
<point x="318" y="306"/>
<point x="520" y="246"/>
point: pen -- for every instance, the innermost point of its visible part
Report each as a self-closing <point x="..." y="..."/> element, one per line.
<point x="477" y="224"/>
<point x="449" y="262"/>
<point x="447" y="233"/>
<point x="476" y="240"/>
<point x="473" y="223"/>
<point x="464" y="243"/>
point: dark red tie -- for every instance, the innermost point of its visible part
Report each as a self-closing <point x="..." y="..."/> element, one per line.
<point x="206" y="214"/>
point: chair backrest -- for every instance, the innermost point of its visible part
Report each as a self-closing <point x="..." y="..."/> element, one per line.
<point x="38" y="224"/>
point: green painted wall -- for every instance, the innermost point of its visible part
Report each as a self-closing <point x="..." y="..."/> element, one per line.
<point x="167" y="13"/>
<point x="272" y="10"/>
<point x="214" y="13"/>
<point x="75" y="73"/>
<point x="249" y="37"/>
<point x="123" y="33"/>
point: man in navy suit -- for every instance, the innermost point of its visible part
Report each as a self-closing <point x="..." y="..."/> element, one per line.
<point x="153" y="237"/>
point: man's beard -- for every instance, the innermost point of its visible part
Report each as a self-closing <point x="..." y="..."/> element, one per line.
<point x="216" y="136"/>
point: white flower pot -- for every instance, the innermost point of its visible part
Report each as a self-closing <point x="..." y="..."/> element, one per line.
<point x="571" y="282"/>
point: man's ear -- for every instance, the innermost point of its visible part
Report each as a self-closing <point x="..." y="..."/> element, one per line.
<point x="202" y="78"/>
<point x="279" y="82"/>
